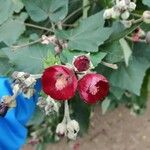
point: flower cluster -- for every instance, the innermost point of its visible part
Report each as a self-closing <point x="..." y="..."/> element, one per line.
<point x="122" y="8"/>
<point x="58" y="44"/>
<point x="68" y="127"/>
<point x="24" y="82"/>
<point x="61" y="82"/>
<point x="49" y="105"/>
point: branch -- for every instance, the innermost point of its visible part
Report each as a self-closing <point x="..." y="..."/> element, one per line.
<point x="73" y="13"/>
<point x="137" y="21"/>
<point x="25" y="45"/>
<point x="85" y="11"/>
<point x="112" y="66"/>
<point x="38" y="27"/>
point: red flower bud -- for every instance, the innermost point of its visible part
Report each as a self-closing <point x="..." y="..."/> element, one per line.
<point x="82" y="63"/>
<point x="93" y="87"/>
<point x="59" y="82"/>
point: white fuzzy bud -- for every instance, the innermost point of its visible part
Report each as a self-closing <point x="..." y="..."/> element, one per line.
<point x="45" y="40"/>
<point x="51" y="106"/>
<point x="126" y="23"/>
<point x="61" y="129"/>
<point x="115" y="13"/>
<point x="15" y="89"/>
<point x="108" y="13"/>
<point x="146" y="17"/>
<point x="41" y="102"/>
<point x="20" y="74"/>
<point x="127" y="2"/>
<point x="121" y="5"/>
<point x="29" y="93"/>
<point x="72" y="129"/>
<point x="125" y="15"/>
<point x="65" y="45"/>
<point x="132" y="6"/>
<point x="57" y="49"/>
<point x="29" y="81"/>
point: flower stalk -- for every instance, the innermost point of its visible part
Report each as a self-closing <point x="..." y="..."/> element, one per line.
<point x="85" y="10"/>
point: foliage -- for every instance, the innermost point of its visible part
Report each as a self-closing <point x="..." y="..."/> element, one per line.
<point x="22" y="24"/>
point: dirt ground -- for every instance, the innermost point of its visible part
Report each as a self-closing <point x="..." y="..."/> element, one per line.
<point x="117" y="130"/>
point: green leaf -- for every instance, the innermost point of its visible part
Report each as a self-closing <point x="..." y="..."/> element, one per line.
<point x="142" y="50"/>
<point x="40" y="10"/>
<point x="5" y="10"/>
<point x="29" y="59"/>
<point x="105" y="105"/>
<point x="18" y="5"/>
<point x="131" y="77"/>
<point x="146" y="2"/>
<point x="117" y="92"/>
<point x="7" y="7"/>
<point x="126" y="50"/>
<point x="81" y="113"/>
<point x="5" y="66"/>
<point x="119" y="31"/>
<point x="88" y="35"/>
<point x="96" y="57"/>
<point x="2" y="45"/>
<point x="114" y="52"/>
<point x="11" y="30"/>
<point x="50" y="60"/>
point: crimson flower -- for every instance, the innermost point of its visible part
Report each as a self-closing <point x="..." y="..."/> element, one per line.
<point x="59" y="82"/>
<point x="82" y="63"/>
<point x="93" y="87"/>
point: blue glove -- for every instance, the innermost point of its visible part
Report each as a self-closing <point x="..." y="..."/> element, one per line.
<point x="12" y="127"/>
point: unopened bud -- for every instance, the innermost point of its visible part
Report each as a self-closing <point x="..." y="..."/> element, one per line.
<point x="108" y="13"/>
<point x="41" y="102"/>
<point x="132" y="6"/>
<point x="121" y="5"/>
<point x="115" y="13"/>
<point x="72" y="129"/>
<point x="51" y="106"/>
<point x="146" y="17"/>
<point x="29" y="81"/>
<point x="29" y="93"/>
<point x="82" y="63"/>
<point x="61" y="129"/>
<point x="125" y="15"/>
<point x="126" y="23"/>
<point x="57" y="49"/>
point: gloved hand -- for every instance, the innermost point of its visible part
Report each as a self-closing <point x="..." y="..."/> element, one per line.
<point x="12" y="126"/>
